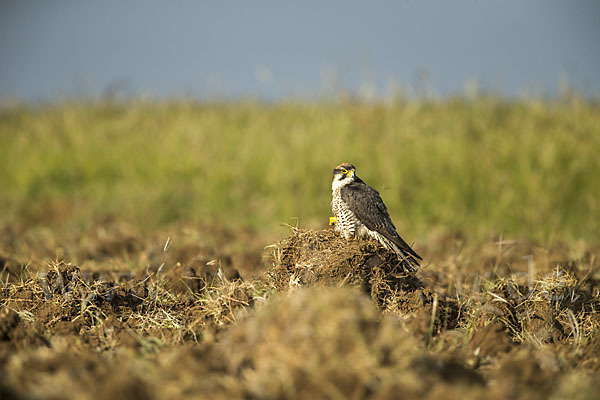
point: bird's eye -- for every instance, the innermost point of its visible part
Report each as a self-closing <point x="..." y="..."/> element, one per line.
<point x="344" y="171"/>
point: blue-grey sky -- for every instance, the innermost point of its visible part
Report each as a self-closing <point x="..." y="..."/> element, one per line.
<point x="311" y="48"/>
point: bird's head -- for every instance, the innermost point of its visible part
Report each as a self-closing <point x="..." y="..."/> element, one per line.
<point x="343" y="174"/>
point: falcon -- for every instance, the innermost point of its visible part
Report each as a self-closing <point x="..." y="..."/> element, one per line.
<point x="359" y="211"/>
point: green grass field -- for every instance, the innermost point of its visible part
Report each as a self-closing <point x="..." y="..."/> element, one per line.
<point x="524" y="168"/>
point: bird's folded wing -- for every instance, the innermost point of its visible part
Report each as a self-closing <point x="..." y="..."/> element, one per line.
<point x="367" y="205"/>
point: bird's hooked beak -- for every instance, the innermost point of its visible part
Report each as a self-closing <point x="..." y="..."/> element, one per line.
<point x="350" y="174"/>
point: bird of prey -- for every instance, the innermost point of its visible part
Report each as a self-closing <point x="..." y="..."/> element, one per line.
<point x="359" y="211"/>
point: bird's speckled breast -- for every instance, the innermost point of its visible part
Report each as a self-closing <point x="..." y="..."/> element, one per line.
<point x="346" y="220"/>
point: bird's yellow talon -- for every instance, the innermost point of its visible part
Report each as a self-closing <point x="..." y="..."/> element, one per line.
<point x="332" y="221"/>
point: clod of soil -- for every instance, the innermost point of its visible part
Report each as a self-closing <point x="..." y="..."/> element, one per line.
<point x="323" y="259"/>
<point x="332" y="342"/>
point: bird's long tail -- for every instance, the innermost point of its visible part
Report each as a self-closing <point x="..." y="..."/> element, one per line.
<point x="407" y="258"/>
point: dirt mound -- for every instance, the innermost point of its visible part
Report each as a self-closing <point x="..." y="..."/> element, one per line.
<point x="329" y="342"/>
<point x="555" y="309"/>
<point x="323" y="259"/>
<point x="105" y="314"/>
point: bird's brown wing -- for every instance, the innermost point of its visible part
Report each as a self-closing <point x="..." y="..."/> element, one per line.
<point x="366" y="203"/>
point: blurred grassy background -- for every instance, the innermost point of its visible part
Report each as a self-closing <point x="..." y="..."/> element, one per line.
<point x="487" y="165"/>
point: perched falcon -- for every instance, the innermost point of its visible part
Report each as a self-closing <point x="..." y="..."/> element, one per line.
<point x="359" y="211"/>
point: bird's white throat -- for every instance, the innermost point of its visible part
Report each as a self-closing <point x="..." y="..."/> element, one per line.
<point x="336" y="184"/>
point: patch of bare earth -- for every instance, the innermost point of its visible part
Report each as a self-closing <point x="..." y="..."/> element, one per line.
<point x="123" y="315"/>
